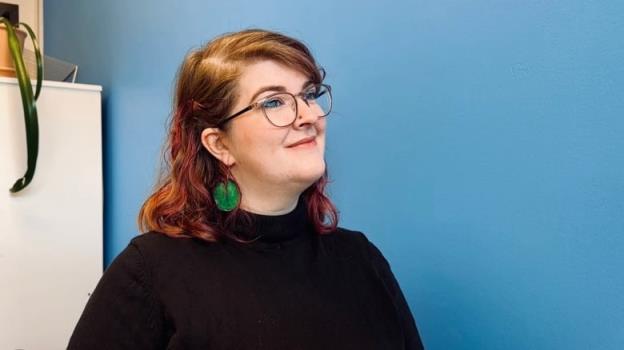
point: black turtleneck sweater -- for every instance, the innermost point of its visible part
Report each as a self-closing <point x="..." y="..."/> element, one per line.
<point x="290" y="289"/>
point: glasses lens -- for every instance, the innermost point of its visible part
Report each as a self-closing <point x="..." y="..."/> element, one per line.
<point x="280" y="109"/>
<point x="319" y="99"/>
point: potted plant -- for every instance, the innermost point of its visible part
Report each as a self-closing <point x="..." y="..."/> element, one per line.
<point x="13" y="44"/>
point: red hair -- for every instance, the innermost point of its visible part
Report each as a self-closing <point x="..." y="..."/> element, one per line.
<point x="181" y="204"/>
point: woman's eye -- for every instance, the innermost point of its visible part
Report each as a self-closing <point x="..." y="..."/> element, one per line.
<point x="273" y="103"/>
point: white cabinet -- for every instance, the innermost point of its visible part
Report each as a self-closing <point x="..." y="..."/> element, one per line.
<point x="51" y="244"/>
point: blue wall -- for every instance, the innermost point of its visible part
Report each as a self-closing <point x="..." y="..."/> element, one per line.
<point x="477" y="143"/>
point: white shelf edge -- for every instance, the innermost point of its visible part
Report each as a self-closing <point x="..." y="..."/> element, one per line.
<point x="55" y="84"/>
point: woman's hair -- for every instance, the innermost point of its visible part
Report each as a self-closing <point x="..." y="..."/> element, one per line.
<point x="206" y="89"/>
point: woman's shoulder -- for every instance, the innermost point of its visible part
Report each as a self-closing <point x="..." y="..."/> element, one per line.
<point x="343" y="233"/>
<point x="352" y="235"/>
<point x="350" y="240"/>
<point x="153" y="238"/>
<point x="156" y="239"/>
<point x="158" y="245"/>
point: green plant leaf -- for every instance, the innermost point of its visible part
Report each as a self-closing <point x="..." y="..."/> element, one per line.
<point x="38" y="58"/>
<point x="28" y="104"/>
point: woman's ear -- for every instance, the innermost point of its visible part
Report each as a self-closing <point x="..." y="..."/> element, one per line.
<point x="215" y="141"/>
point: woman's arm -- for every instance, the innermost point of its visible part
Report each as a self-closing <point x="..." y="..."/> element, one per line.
<point x="122" y="312"/>
<point x="412" y="338"/>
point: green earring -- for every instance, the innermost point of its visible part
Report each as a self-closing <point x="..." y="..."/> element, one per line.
<point x="227" y="196"/>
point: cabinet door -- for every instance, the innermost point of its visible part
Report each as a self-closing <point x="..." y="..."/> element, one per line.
<point x="51" y="232"/>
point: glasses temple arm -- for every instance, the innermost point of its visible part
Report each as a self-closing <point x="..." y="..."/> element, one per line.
<point x="236" y="114"/>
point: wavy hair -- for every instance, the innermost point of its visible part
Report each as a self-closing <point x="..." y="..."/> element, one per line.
<point x="181" y="204"/>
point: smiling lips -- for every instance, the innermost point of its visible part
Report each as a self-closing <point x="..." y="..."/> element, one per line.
<point x="308" y="141"/>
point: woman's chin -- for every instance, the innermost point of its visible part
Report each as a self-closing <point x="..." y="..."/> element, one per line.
<point x="310" y="175"/>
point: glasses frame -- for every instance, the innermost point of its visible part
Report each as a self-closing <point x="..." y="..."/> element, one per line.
<point x="259" y="103"/>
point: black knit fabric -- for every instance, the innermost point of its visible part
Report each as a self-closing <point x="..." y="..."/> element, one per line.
<point x="288" y="289"/>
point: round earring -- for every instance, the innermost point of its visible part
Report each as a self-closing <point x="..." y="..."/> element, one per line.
<point x="226" y="195"/>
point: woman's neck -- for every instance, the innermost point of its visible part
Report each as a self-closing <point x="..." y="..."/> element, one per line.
<point x="268" y="205"/>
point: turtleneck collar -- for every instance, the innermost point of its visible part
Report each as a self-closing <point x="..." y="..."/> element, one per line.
<point x="279" y="228"/>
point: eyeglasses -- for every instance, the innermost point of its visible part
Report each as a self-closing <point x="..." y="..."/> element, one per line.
<point x="281" y="109"/>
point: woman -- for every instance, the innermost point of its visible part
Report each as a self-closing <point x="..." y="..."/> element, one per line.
<point x="242" y="249"/>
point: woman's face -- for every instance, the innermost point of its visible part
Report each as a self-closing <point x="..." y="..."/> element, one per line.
<point x="261" y="153"/>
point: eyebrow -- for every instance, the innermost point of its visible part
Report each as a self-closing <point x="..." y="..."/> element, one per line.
<point x="278" y="88"/>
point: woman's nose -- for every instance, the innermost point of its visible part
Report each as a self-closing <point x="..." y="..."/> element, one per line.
<point x="306" y="114"/>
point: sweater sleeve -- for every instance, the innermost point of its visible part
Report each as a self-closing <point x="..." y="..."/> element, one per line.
<point x="121" y="313"/>
<point x="381" y="265"/>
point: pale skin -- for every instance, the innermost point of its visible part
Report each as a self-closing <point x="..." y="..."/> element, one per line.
<point x="270" y="175"/>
